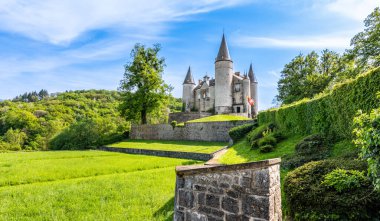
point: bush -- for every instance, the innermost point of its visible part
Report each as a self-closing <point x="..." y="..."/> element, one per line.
<point x="86" y="134"/>
<point x="239" y="132"/>
<point x="367" y="133"/>
<point x="267" y="140"/>
<point x="330" y="113"/>
<point x="266" y="148"/>
<point x="259" y="132"/>
<point x="173" y="123"/>
<point x="309" y="199"/>
<point x="311" y="148"/>
<point x="344" y="180"/>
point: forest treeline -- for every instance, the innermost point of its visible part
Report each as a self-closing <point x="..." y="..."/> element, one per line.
<point x="70" y="120"/>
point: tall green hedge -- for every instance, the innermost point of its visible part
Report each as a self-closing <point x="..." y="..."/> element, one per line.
<point x="332" y="113"/>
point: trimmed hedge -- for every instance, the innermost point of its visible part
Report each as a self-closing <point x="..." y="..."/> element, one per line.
<point x="330" y="114"/>
<point x="311" y="148"/>
<point x="309" y="198"/>
<point x="239" y="132"/>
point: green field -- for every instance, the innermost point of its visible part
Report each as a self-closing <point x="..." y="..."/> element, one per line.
<point x="242" y="153"/>
<point x="218" y="118"/>
<point x="86" y="185"/>
<point x="180" y="146"/>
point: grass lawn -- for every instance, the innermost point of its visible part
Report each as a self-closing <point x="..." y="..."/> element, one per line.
<point x="242" y="153"/>
<point x="220" y="117"/>
<point x="86" y="185"/>
<point x="180" y="146"/>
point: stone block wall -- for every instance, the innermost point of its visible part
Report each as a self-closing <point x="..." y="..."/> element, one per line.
<point x="208" y="131"/>
<point x="249" y="191"/>
<point x="186" y="116"/>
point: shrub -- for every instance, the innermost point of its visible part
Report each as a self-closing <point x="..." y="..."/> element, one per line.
<point x="267" y="140"/>
<point x="239" y="132"/>
<point x="344" y="180"/>
<point x="266" y="148"/>
<point x="86" y="134"/>
<point x="279" y="135"/>
<point x="367" y="133"/>
<point x="258" y="132"/>
<point x="308" y="199"/>
<point x="311" y="148"/>
<point x="330" y="113"/>
<point x="173" y="123"/>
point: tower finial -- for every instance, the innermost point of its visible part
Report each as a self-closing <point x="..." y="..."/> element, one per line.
<point x="189" y="77"/>
<point x="223" y="54"/>
<point x="251" y="74"/>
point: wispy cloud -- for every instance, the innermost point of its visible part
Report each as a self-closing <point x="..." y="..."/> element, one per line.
<point x="60" y="22"/>
<point x="353" y="9"/>
<point x="338" y="42"/>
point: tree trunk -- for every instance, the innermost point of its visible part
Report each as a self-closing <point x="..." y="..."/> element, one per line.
<point x="143" y="116"/>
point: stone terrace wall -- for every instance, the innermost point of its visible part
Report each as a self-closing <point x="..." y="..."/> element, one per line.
<point x="208" y="131"/>
<point x="249" y="191"/>
<point x="186" y="116"/>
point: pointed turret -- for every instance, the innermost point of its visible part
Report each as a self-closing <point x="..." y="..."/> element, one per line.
<point x="189" y="77"/>
<point x="251" y="75"/>
<point x="223" y="54"/>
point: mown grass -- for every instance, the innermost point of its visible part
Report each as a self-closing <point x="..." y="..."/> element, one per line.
<point x="180" y="146"/>
<point x="220" y="117"/>
<point x="86" y="185"/>
<point x="242" y="153"/>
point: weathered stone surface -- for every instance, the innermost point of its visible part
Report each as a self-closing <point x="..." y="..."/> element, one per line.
<point x="213" y="201"/>
<point x="236" y="192"/>
<point x="207" y="131"/>
<point x="233" y="217"/>
<point x="256" y="206"/>
<point x="186" y="198"/>
<point x="230" y="205"/>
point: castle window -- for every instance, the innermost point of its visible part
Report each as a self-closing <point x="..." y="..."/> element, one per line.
<point x="237" y="87"/>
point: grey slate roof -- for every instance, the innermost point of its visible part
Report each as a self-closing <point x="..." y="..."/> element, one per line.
<point x="223" y="54"/>
<point x="189" y="77"/>
<point x="251" y="74"/>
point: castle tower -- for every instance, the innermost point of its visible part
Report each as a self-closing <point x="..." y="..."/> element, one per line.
<point x="254" y="96"/>
<point x="223" y="79"/>
<point x="187" y="93"/>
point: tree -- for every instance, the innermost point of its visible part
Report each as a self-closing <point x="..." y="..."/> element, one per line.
<point x="306" y="76"/>
<point x="367" y="43"/>
<point x="143" y="90"/>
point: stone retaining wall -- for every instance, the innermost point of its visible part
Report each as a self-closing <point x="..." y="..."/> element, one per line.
<point x="249" y="191"/>
<point x="163" y="153"/>
<point x="186" y="116"/>
<point x="207" y="131"/>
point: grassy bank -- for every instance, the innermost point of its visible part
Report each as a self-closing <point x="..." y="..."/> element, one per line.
<point x="180" y="146"/>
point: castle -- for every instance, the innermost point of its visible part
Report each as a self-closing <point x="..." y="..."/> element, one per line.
<point x="228" y="93"/>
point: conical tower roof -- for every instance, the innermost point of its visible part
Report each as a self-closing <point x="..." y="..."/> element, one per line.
<point x="223" y="54"/>
<point x="189" y="77"/>
<point x="251" y="75"/>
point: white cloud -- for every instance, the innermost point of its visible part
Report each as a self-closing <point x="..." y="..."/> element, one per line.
<point x="338" y="41"/>
<point x="60" y="22"/>
<point x="353" y="9"/>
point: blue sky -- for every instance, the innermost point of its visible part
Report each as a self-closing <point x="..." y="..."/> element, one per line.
<point x="68" y="45"/>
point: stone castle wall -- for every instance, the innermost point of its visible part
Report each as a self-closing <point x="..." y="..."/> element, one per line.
<point x="207" y="131"/>
<point x="186" y="116"/>
<point x="249" y="191"/>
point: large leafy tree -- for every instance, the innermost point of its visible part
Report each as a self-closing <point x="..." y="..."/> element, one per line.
<point x="306" y="76"/>
<point x="143" y="90"/>
<point x="367" y="43"/>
